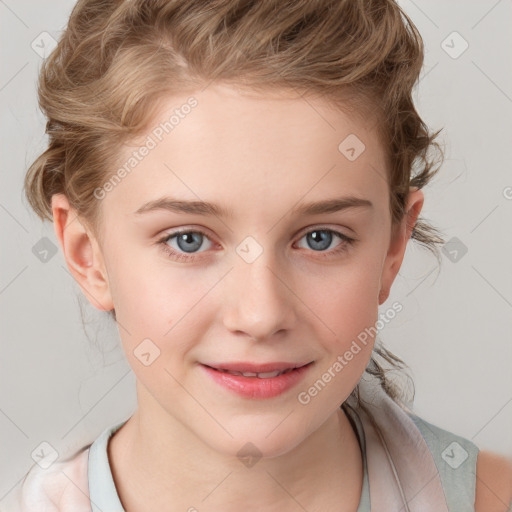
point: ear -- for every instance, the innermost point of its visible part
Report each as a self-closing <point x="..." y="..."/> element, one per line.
<point x="82" y="253"/>
<point x="399" y="237"/>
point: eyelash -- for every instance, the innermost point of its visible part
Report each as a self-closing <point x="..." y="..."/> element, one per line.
<point x="347" y="242"/>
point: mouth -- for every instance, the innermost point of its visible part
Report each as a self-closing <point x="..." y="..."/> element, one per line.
<point x="257" y="381"/>
<point x="260" y="371"/>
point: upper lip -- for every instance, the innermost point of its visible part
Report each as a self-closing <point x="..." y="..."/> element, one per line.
<point x="243" y="367"/>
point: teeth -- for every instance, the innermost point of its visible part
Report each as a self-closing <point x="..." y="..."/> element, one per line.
<point x="267" y="375"/>
<point x="263" y="375"/>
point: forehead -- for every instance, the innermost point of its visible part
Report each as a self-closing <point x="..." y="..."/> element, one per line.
<point x="250" y="150"/>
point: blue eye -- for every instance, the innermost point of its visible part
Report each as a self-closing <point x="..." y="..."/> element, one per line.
<point x="190" y="241"/>
<point x="320" y="239"/>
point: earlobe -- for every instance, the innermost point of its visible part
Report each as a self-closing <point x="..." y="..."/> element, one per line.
<point x="82" y="253"/>
<point x="398" y="243"/>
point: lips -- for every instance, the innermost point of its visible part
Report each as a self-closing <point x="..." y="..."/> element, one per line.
<point x="257" y="381"/>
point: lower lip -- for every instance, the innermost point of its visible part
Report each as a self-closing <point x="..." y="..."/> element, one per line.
<point x="254" y="387"/>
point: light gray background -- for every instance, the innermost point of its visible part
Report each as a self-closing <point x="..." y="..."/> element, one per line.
<point x="454" y="330"/>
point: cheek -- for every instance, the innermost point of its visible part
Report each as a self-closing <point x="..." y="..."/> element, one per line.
<point x="347" y="311"/>
<point x="162" y="304"/>
<point x="149" y="295"/>
<point x="155" y="314"/>
<point x="347" y="300"/>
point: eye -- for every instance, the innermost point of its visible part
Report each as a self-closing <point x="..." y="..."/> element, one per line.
<point x="188" y="242"/>
<point x="321" y="238"/>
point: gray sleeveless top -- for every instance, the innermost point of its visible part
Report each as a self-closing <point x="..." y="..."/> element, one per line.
<point x="454" y="456"/>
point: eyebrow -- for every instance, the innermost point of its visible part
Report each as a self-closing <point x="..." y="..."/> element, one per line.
<point x="206" y="208"/>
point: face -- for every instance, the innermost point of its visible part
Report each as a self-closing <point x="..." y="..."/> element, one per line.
<point x="263" y="279"/>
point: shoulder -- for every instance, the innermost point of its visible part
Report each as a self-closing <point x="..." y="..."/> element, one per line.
<point x="490" y="472"/>
<point x="61" y="487"/>
<point x="493" y="482"/>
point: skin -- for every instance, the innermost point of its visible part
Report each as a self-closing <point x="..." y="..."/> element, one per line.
<point x="259" y="156"/>
<point x="493" y="482"/>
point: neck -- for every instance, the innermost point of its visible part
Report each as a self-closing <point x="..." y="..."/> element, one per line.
<point x="154" y="467"/>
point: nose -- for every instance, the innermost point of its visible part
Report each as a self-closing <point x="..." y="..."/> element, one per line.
<point x="260" y="302"/>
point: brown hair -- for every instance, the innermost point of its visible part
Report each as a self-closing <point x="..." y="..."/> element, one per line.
<point x="116" y="60"/>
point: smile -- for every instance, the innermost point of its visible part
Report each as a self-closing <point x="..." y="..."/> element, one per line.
<point x="257" y="385"/>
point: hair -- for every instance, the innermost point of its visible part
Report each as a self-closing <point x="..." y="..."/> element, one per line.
<point x="117" y="59"/>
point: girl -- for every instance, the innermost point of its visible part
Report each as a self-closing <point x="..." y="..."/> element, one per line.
<point x="278" y="141"/>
